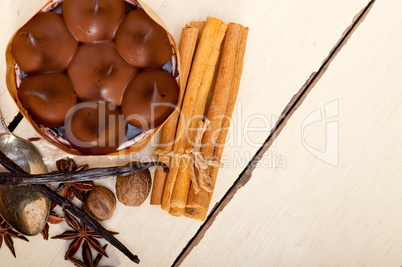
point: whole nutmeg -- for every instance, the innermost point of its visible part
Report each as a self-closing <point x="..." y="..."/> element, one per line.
<point x="133" y="190"/>
<point x="100" y="203"/>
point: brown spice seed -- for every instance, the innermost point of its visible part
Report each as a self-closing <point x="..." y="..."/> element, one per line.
<point x="100" y="203"/>
<point x="134" y="189"/>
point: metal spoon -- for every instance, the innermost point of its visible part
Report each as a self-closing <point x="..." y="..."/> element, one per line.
<point x="22" y="206"/>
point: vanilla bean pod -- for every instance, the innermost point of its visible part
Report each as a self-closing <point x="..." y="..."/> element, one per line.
<point x="74" y="177"/>
<point x="68" y="205"/>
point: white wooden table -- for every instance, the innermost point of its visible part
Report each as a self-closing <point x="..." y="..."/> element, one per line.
<point x="329" y="191"/>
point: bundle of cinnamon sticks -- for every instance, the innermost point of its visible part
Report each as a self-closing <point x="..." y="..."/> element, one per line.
<point x="212" y="55"/>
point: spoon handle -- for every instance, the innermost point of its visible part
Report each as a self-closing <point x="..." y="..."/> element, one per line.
<point x="68" y="205"/>
<point x="3" y="126"/>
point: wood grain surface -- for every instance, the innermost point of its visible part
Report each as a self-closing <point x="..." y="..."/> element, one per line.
<point x="297" y="209"/>
<point x="312" y="213"/>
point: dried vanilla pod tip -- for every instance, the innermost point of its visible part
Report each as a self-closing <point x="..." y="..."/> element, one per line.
<point x="93" y="20"/>
<point x="95" y="128"/>
<point x="44" y="44"/>
<point x="47" y="97"/>
<point x="98" y="72"/>
<point x="100" y="203"/>
<point x="150" y="98"/>
<point x="133" y="190"/>
<point x="143" y="42"/>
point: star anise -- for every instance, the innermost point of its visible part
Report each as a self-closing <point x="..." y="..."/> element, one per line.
<point x="87" y="257"/>
<point x="72" y="190"/>
<point x="53" y="218"/>
<point x="80" y="233"/>
<point x="7" y="233"/>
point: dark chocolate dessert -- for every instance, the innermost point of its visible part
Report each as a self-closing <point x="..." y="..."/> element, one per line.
<point x="143" y="42"/>
<point x="93" y="20"/>
<point x="150" y="98"/>
<point x="48" y="98"/>
<point x="44" y="44"/>
<point x="98" y="77"/>
<point x="95" y="128"/>
<point x="94" y="74"/>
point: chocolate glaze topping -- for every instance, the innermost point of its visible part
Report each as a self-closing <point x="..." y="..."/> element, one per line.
<point x="85" y="63"/>
<point x="93" y="20"/>
<point x="143" y="42"/>
<point x="44" y="44"/>
<point x="47" y="97"/>
<point x="98" y="72"/>
<point x="150" y="98"/>
<point x="95" y="128"/>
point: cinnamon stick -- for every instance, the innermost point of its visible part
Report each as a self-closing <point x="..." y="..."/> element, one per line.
<point x="200" y="25"/>
<point x="223" y="102"/>
<point x="177" y="212"/>
<point x="178" y="182"/>
<point x="197" y="75"/>
<point x="188" y="42"/>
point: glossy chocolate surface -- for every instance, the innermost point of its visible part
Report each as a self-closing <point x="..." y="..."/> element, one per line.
<point x="98" y="72"/>
<point x="47" y="98"/>
<point x="93" y="20"/>
<point x="150" y="98"/>
<point x="143" y="42"/>
<point x="95" y="128"/>
<point x="44" y="44"/>
<point x="81" y="59"/>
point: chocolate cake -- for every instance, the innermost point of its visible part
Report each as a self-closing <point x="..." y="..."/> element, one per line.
<point x="107" y="53"/>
